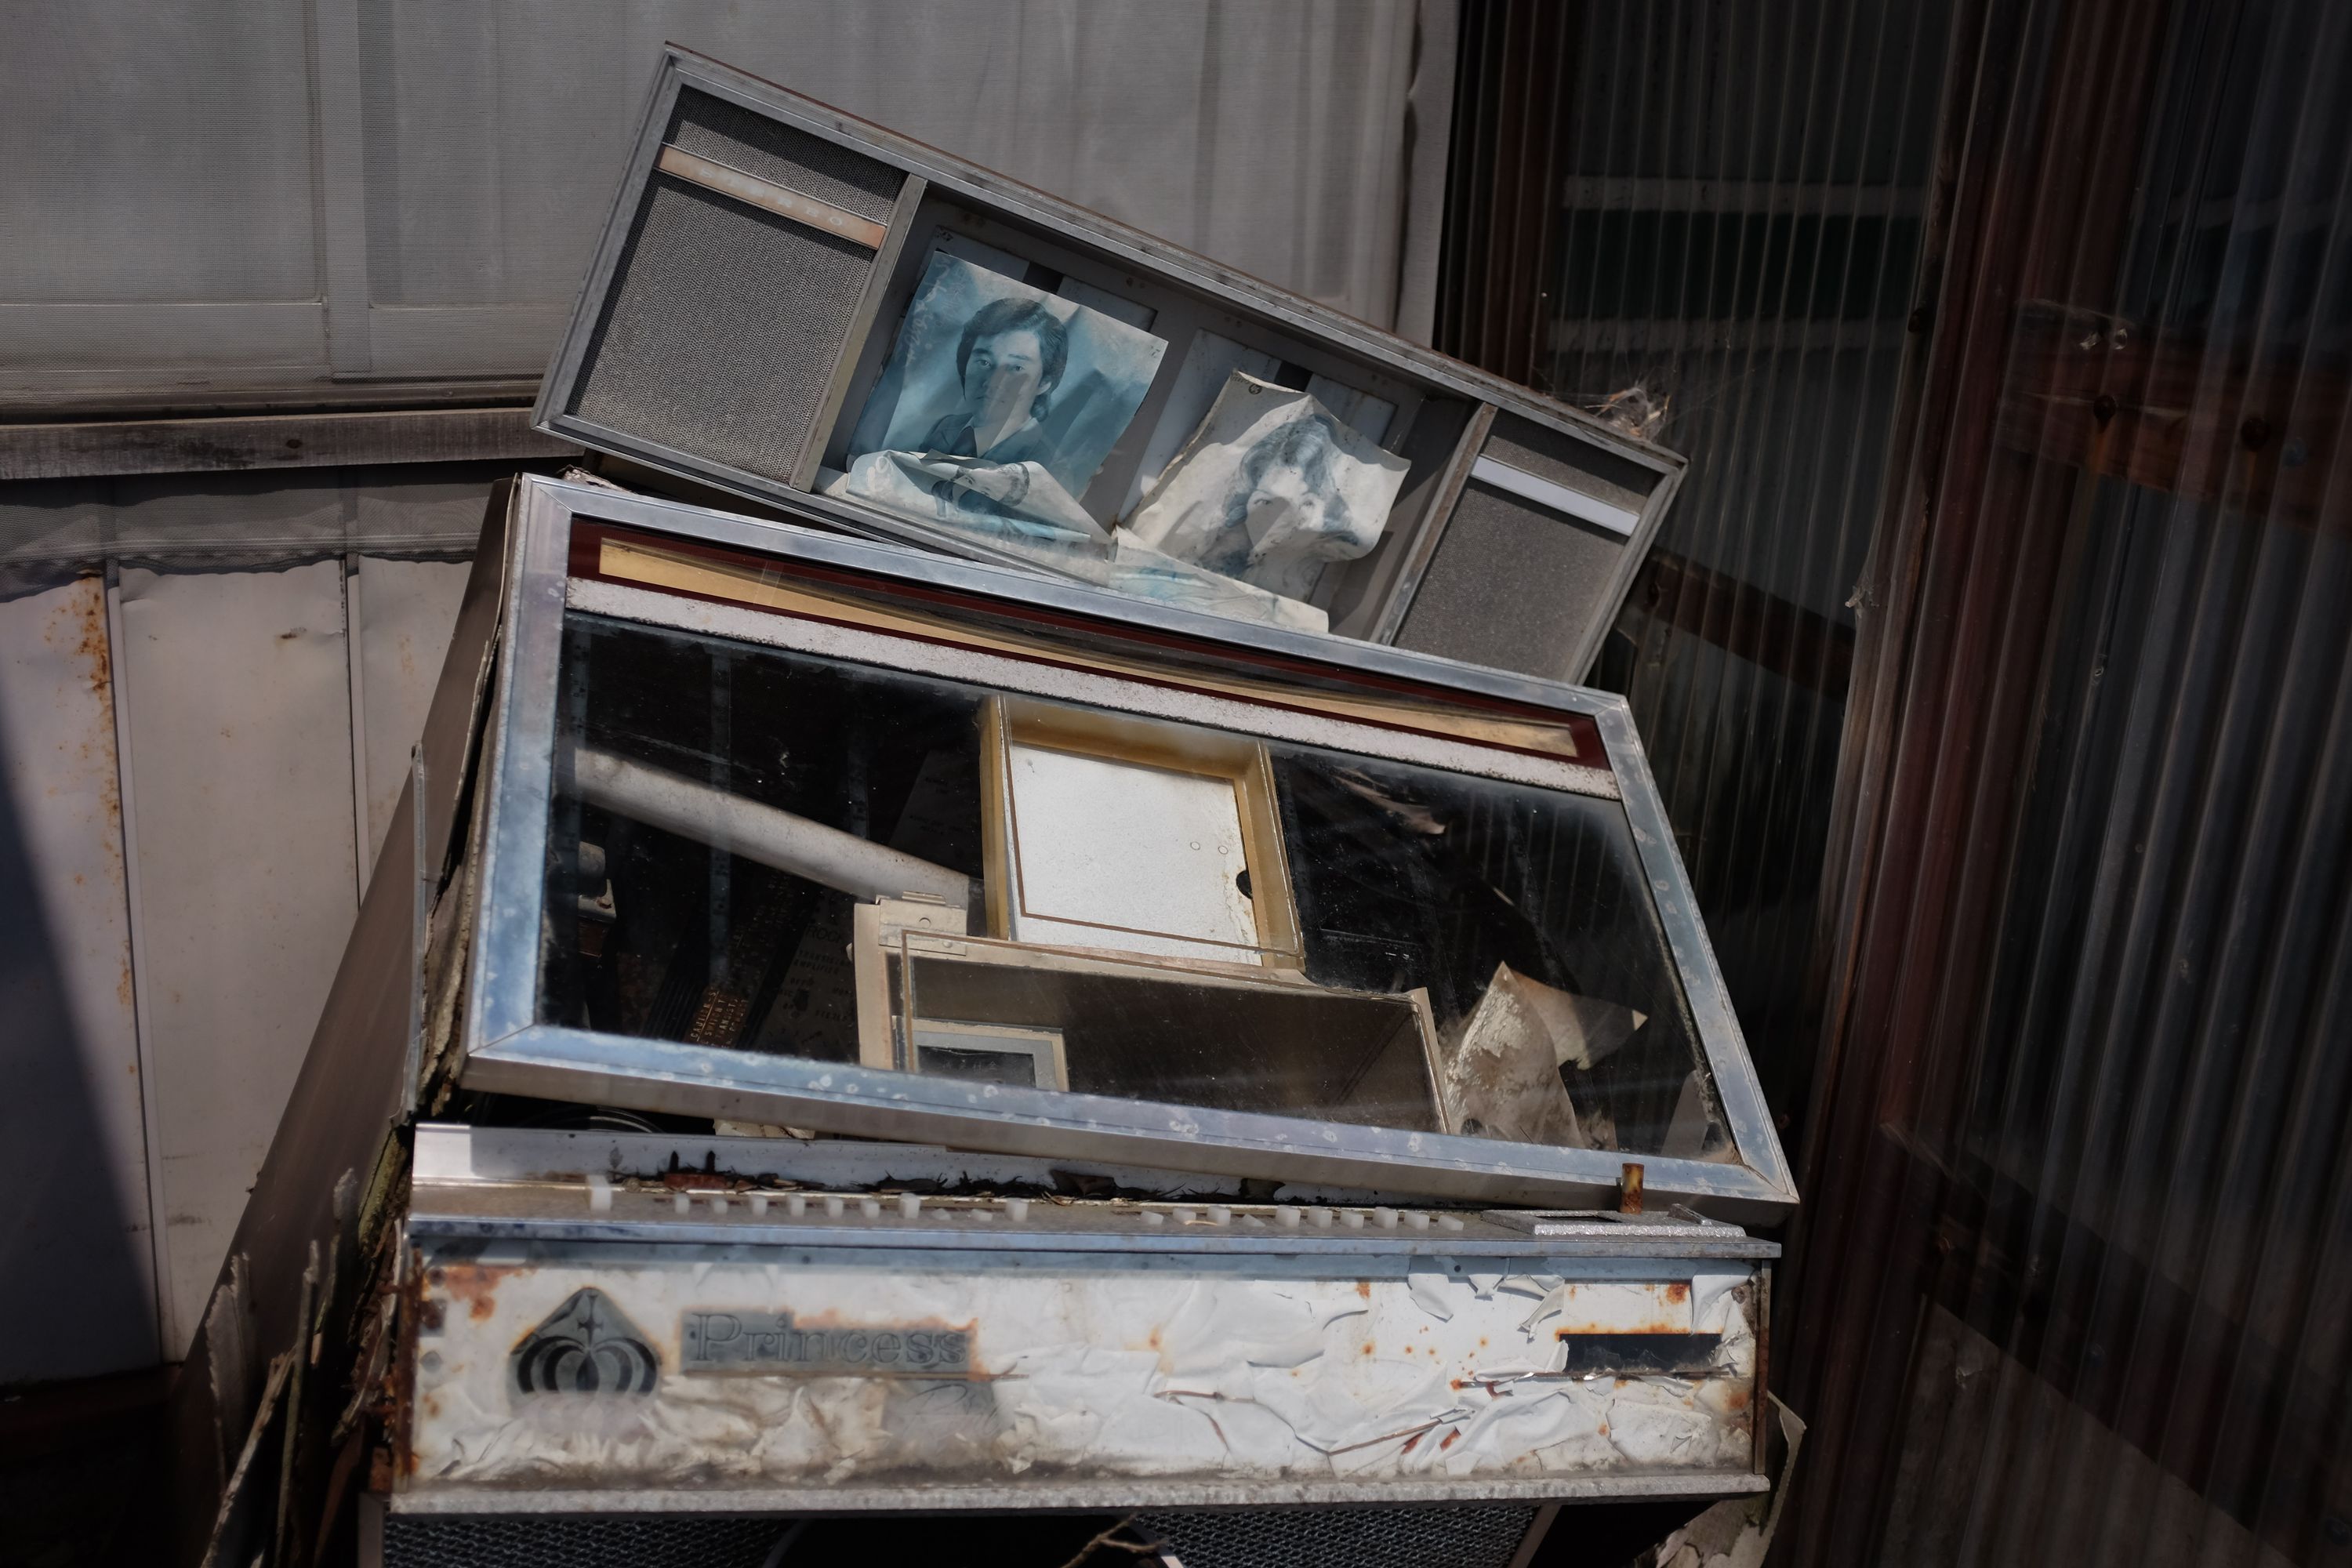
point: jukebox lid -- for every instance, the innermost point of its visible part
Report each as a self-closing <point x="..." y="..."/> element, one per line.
<point x="801" y="308"/>
<point x="790" y="829"/>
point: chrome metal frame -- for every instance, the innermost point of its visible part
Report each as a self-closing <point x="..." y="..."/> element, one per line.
<point x="509" y="1049"/>
<point x="931" y="171"/>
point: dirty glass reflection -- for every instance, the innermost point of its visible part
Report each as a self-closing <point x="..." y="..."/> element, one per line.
<point x="773" y="852"/>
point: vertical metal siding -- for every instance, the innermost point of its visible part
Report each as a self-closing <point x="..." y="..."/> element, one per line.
<point x="199" y="756"/>
<point x="2010" y="596"/>
<point x="2075" y="1289"/>
<point x="1721" y="205"/>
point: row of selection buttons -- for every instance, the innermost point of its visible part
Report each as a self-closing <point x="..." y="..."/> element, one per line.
<point x="911" y="1206"/>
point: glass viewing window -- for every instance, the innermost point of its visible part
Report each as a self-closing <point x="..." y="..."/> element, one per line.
<point x="810" y="854"/>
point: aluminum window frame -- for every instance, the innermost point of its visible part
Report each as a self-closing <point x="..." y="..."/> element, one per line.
<point x="509" y="1048"/>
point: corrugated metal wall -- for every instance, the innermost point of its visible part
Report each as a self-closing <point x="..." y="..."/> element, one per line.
<point x="2070" y="1283"/>
<point x="1722" y="206"/>
<point x="2075" y="1284"/>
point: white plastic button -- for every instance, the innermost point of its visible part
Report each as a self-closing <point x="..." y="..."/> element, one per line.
<point x="1220" y="1214"/>
<point x="833" y="1207"/>
<point x="718" y="1202"/>
<point x="1416" y="1220"/>
<point x="870" y="1207"/>
<point x="1154" y="1217"/>
<point x="1385" y="1219"/>
<point x="758" y="1202"/>
<point x="600" y="1193"/>
<point x="1287" y="1215"/>
<point x="682" y="1203"/>
<point x="1183" y="1217"/>
<point x="795" y="1205"/>
<point x="1353" y="1218"/>
<point x="1321" y="1218"/>
<point x="1447" y="1222"/>
<point x="1016" y="1208"/>
<point x="909" y="1205"/>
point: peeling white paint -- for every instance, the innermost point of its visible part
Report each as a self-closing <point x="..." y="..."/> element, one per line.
<point x="1083" y="1369"/>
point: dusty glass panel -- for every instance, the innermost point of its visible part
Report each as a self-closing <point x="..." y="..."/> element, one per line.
<point x="775" y="852"/>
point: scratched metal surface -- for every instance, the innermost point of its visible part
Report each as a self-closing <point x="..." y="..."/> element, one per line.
<point x="711" y="1371"/>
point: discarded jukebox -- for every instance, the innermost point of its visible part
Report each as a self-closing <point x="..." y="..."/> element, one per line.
<point x="1089" y="1013"/>
<point x="1347" y="1106"/>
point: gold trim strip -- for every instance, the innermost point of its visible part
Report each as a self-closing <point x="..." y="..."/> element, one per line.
<point x="627" y="561"/>
<point x="768" y="196"/>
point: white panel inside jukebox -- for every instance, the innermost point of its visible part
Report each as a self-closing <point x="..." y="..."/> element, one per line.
<point x="1114" y="854"/>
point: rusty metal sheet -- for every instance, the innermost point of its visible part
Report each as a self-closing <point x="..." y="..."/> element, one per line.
<point x="645" y="1370"/>
<point x="74" y="1162"/>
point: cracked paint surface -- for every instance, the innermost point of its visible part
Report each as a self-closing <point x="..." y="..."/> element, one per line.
<point x="1080" y="1370"/>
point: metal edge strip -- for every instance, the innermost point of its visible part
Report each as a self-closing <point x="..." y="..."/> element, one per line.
<point x="1553" y="496"/>
<point x="1077" y="1496"/>
<point x="816" y="1236"/>
<point x="558" y="1062"/>
<point x="518" y="773"/>
<point x="1727" y="1060"/>
<point x="768" y="196"/>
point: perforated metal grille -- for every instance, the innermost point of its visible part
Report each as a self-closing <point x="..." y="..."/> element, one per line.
<point x="527" y="1541"/>
<point x="1464" y="1537"/>
<point x="1472" y="1537"/>
<point x="1512" y="585"/>
<point x="734" y="136"/>
<point x="721" y="329"/>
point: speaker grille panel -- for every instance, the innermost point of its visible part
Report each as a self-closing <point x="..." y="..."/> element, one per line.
<point x="720" y="329"/>
<point x="723" y="132"/>
<point x="1512" y="585"/>
<point x="1355" y="1537"/>
<point x="544" y="1541"/>
<point x="1460" y="1537"/>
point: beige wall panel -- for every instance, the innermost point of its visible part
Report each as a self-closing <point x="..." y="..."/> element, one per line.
<point x="405" y="611"/>
<point x="77" y="1258"/>
<point x="236" y="688"/>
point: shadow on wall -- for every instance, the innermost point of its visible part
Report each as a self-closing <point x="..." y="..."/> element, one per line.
<point x="76" y="1291"/>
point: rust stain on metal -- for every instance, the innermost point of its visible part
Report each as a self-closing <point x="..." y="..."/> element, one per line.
<point x="1678" y="1291"/>
<point x="475" y="1284"/>
<point x="1629" y="1193"/>
<point x="1364" y="1289"/>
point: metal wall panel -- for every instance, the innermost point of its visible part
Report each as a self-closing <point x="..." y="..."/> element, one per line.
<point x="262" y="768"/>
<point x="1718" y="208"/>
<point x="2082" y="1168"/>
<point x="403" y="611"/>
<point x="157" y="154"/>
<point x="238" y="694"/>
<point x="413" y="190"/>
<point x="2067" y="748"/>
<point x="76" y="1253"/>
